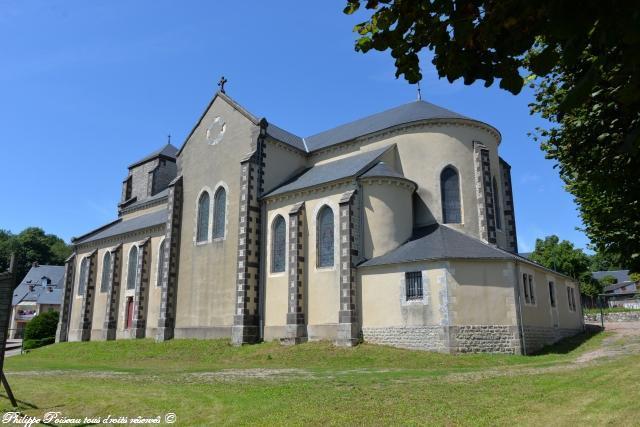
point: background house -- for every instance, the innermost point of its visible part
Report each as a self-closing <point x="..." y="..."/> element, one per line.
<point x="40" y="291"/>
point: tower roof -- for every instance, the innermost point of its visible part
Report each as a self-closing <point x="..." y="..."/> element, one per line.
<point x="168" y="152"/>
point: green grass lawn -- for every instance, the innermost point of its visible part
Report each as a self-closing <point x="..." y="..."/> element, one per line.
<point x="211" y="382"/>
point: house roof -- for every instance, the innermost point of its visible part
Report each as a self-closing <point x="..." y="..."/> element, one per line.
<point x="121" y="226"/>
<point x="331" y="171"/>
<point x="620" y="275"/>
<point x="615" y="286"/>
<point x="35" y="277"/>
<point x="168" y="151"/>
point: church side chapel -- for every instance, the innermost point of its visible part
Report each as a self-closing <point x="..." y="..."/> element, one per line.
<point x="396" y="229"/>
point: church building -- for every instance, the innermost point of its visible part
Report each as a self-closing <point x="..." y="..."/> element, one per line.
<point x="398" y="229"/>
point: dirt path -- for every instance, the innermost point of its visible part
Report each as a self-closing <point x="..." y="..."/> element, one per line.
<point x="624" y="341"/>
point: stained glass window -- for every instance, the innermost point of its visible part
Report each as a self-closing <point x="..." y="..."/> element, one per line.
<point x="219" y="212"/>
<point x="161" y="250"/>
<point x="106" y="269"/>
<point x="132" y="271"/>
<point x="450" y="187"/>
<point x="325" y="237"/>
<point x="84" y="276"/>
<point x="278" y="245"/>
<point x="202" y="231"/>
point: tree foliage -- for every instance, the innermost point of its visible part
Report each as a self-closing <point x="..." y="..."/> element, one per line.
<point x="42" y="326"/>
<point x="634" y="277"/>
<point x="582" y="61"/>
<point x="560" y="256"/>
<point x="608" y="280"/>
<point x="32" y="244"/>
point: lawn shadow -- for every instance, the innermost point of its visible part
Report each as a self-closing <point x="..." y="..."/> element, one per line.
<point x="569" y="344"/>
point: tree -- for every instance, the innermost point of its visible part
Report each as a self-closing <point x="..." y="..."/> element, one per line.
<point x="41" y="330"/>
<point x="32" y="244"/>
<point x="634" y="277"/>
<point x="581" y="59"/>
<point x="590" y="287"/>
<point x="601" y="261"/>
<point x="562" y="257"/>
<point x="608" y="280"/>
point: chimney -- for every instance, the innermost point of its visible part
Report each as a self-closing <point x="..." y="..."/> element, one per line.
<point x="35" y="264"/>
<point x="49" y="288"/>
<point x="32" y="288"/>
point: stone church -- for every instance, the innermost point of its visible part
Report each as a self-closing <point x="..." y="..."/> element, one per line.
<point x="397" y="229"/>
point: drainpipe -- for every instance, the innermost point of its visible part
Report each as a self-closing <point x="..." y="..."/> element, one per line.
<point x="516" y="288"/>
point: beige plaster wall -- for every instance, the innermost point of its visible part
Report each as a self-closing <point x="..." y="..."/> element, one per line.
<point x="276" y="290"/>
<point x="382" y="295"/>
<point x="140" y="212"/>
<point x="388" y="215"/>
<point x="482" y="293"/>
<point x="207" y="272"/>
<point x="281" y="163"/>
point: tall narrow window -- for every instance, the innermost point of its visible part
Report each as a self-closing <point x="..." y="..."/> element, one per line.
<point x="532" y="293"/>
<point x="278" y="245"/>
<point x="413" y="285"/>
<point x="161" y="250"/>
<point x="84" y="276"/>
<point x="450" y="188"/>
<point x="132" y="270"/>
<point x="497" y="205"/>
<point x="552" y="294"/>
<point x="202" y="231"/>
<point x="106" y="269"/>
<point x="219" y="212"/>
<point x="526" y="289"/>
<point x="325" y="237"/>
<point x="571" y="298"/>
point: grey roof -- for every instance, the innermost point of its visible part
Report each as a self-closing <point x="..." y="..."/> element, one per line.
<point x="159" y="195"/>
<point x="620" y="275"/>
<point x="407" y="113"/>
<point x="168" y="151"/>
<point x="382" y="169"/>
<point x="331" y="171"/>
<point x="286" y="137"/>
<point x="40" y="294"/>
<point x="120" y="226"/>
<point x="619" y="285"/>
<point x="438" y="241"/>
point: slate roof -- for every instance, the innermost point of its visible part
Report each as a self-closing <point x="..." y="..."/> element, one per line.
<point x="331" y="171"/>
<point x="407" y="113"/>
<point x="616" y="286"/>
<point x="157" y="196"/>
<point x="40" y="295"/>
<point x="621" y="275"/>
<point x="168" y="151"/>
<point x="436" y="242"/>
<point x="384" y="170"/>
<point x="121" y="226"/>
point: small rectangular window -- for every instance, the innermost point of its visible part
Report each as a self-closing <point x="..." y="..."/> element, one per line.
<point x="413" y="284"/>
<point x="552" y="294"/>
<point x="531" y="290"/>
<point x="526" y="288"/>
<point x="571" y="299"/>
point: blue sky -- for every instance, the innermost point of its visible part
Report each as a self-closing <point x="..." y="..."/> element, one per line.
<point x="90" y="86"/>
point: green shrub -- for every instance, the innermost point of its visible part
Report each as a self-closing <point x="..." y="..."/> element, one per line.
<point x="30" y="344"/>
<point x="42" y="326"/>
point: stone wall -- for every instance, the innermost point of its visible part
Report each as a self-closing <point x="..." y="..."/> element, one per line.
<point x="486" y="339"/>
<point x="626" y="316"/>
<point x="411" y="337"/>
<point x="536" y="337"/>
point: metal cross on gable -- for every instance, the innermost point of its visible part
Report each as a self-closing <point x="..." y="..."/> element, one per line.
<point x="221" y="83"/>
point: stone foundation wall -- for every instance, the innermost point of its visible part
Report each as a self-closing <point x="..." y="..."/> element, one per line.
<point x="486" y="339"/>
<point x="412" y="337"/>
<point x="628" y="316"/>
<point x="536" y="337"/>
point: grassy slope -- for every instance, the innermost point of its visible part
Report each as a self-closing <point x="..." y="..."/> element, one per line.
<point x="368" y="384"/>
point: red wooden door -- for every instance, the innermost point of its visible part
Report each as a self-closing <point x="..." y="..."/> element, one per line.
<point x="129" y="313"/>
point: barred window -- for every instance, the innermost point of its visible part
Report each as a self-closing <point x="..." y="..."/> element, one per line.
<point x="106" y="269"/>
<point x="552" y="294"/>
<point x="325" y="237"/>
<point x="413" y="285"/>
<point x="219" y="212"/>
<point x="132" y="271"/>
<point x="161" y="250"/>
<point x="202" y="231"/>
<point x="84" y="276"/>
<point x="278" y="244"/>
<point x="450" y="189"/>
<point x="498" y="207"/>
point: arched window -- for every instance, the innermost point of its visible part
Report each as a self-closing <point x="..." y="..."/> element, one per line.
<point x="84" y="276"/>
<point x="219" y="212"/>
<point x="450" y="188"/>
<point x="132" y="271"/>
<point x="325" y="237"/>
<point x="106" y="269"/>
<point x="161" y="250"/>
<point x="202" y="230"/>
<point x="278" y="244"/>
<point x="498" y="206"/>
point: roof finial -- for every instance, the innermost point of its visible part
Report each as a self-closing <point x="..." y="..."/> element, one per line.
<point x="221" y="83"/>
<point x="169" y="139"/>
<point x="419" y="92"/>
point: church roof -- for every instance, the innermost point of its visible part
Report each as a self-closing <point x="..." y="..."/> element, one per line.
<point x="121" y="226"/>
<point x="168" y="151"/>
<point x="381" y="169"/>
<point x="435" y="242"/>
<point x="331" y="171"/>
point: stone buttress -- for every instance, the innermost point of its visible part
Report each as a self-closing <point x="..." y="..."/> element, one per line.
<point x="295" y="330"/>
<point x="113" y="294"/>
<point x="62" y="334"/>
<point x="141" y="296"/>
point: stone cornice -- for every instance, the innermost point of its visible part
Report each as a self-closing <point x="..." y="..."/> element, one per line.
<point x="143" y="233"/>
<point x="301" y="193"/>
<point x="399" y="182"/>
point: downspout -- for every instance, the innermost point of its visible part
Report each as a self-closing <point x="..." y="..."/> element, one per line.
<point x="516" y="288"/>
